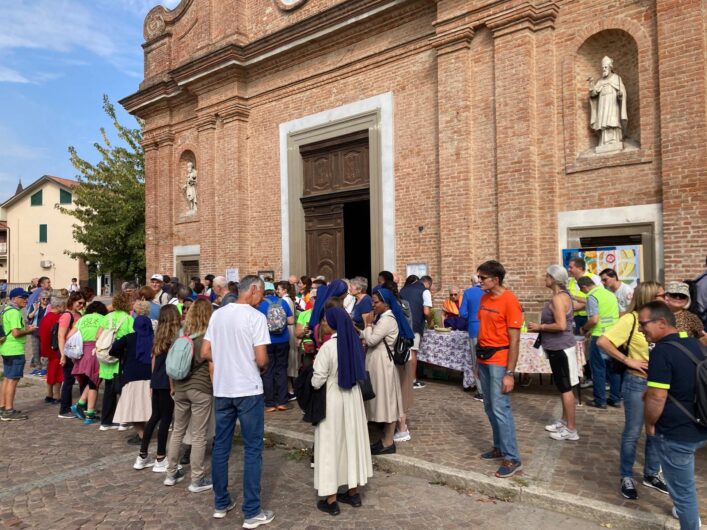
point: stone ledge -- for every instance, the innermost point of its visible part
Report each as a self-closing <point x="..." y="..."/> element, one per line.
<point x="599" y="512"/>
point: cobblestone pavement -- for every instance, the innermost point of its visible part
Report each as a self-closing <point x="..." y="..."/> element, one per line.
<point x="60" y="474"/>
<point x="449" y="427"/>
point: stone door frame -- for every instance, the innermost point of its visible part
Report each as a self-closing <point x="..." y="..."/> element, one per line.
<point x="375" y="115"/>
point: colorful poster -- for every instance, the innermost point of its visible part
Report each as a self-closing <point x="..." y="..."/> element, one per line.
<point x="626" y="260"/>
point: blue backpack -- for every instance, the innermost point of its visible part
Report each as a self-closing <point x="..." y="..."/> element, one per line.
<point x="180" y="358"/>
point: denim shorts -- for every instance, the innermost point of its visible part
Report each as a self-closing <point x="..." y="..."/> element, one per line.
<point x="14" y="366"/>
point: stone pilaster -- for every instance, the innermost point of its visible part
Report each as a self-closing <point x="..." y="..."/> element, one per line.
<point x="454" y="127"/>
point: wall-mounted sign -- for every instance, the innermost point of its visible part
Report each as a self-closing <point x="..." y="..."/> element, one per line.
<point x="418" y="269"/>
<point x="287" y="5"/>
<point x="232" y="275"/>
<point x="626" y="260"/>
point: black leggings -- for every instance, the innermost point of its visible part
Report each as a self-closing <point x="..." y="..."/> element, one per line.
<point x="162" y="412"/>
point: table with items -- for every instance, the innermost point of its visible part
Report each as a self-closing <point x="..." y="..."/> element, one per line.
<point x="448" y="349"/>
<point x="534" y="361"/>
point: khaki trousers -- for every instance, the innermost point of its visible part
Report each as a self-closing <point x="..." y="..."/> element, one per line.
<point x="194" y="406"/>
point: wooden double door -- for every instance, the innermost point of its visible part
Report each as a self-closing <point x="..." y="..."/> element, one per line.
<point x="336" y="205"/>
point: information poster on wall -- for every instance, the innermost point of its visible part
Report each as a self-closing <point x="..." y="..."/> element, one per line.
<point x="626" y="260"/>
<point x="232" y="275"/>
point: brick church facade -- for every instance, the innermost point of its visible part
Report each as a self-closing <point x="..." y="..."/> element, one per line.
<point x="347" y="136"/>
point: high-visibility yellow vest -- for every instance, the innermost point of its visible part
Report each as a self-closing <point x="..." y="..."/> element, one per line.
<point x="608" y="310"/>
<point x="575" y="291"/>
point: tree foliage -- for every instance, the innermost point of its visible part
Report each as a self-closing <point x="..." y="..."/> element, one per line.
<point x="109" y="202"/>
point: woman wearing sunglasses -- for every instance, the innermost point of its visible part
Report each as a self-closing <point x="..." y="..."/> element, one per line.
<point x="677" y="296"/>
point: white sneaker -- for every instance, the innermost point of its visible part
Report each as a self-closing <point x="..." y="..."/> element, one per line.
<point x="556" y="426"/>
<point x="108" y="427"/>
<point x="142" y="463"/>
<point x="160" y="466"/>
<point x="124" y="426"/>
<point x="675" y="514"/>
<point x="264" y="517"/>
<point x="402" y="436"/>
<point x="565" y="434"/>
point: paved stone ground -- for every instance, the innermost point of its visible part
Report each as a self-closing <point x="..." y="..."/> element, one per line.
<point x="448" y="427"/>
<point x="60" y="474"/>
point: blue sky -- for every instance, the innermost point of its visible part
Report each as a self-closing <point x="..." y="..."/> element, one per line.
<point x="57" y="59"/>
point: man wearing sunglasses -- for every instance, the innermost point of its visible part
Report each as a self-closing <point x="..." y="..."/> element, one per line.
<point x="670" y="409"/>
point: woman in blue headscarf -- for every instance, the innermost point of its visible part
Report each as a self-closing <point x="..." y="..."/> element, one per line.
<point x="336" y="289"/>
<point x="387" y="406"/>
<point x="341" y="444"/>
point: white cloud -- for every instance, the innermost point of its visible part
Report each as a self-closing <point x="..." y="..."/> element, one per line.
<point x="12" y="148"/>
<point x="7" y="75"/>
<point x="143" y="6"/>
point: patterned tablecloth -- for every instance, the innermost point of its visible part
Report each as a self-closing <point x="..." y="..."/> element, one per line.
<point x="532" y="361"/>
<point x="450" y="350"/>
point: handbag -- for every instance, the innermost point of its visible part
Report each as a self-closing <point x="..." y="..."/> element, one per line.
<point x="366" y="387"/>
<point x="617" y="366"/>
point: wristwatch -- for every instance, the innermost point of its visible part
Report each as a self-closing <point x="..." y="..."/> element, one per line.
<point x="510" y="372"/>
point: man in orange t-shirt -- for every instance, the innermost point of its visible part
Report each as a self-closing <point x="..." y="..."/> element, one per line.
<point x="500" y="320"/>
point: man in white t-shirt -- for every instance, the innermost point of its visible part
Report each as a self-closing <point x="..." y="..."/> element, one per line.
<point x="622" y="291"/>
<point x="236" y="342"/>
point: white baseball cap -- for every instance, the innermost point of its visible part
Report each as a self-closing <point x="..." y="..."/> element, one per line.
<point x="157" y="277"/>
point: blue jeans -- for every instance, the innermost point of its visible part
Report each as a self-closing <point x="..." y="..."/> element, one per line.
<point x="498" y="409"/>
<point x="633" y="388"/>
<point x="250" y="411"/>
<point x="601" y="371"/>
<point x="275" y="376"/>
<point x="678" y="462"/>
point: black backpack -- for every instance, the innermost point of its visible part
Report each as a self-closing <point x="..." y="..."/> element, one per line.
<point x="54" y="333"/>
<point x="700" y="416"/>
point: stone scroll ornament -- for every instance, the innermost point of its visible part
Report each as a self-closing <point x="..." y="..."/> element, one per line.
<point x="607" y="99"/>
<point x="189" y="188"/>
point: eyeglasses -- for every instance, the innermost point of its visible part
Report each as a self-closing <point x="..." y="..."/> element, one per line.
<point x="642" y="323"/>
<point x="453" y="294"/>
<point x="482" y="277"/>
<point x="676" y="296"/>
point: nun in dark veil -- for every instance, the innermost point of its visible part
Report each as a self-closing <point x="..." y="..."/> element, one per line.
<point x="342" y="453"/>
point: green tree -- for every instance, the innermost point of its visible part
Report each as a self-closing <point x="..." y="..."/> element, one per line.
<point x="109" y="202"/>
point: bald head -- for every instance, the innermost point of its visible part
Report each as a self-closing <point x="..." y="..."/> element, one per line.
<point x="220" y="285"/>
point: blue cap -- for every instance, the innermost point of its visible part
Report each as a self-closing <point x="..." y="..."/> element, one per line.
<point x="19" y="291"/>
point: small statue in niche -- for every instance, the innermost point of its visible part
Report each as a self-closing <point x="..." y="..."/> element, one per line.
<point x="607" y="99"/>
<point x="189" y="187"/>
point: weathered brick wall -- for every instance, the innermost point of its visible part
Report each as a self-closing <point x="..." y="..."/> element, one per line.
<point x="490" y="120"/>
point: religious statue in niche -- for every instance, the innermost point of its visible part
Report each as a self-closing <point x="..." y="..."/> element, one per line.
<point x="189" y="188"/>
<point x="607" y="99"/>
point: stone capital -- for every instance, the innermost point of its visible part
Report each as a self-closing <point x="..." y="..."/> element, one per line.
<point x="206" y="122"/>
<point x="453" y="40"/>
<point x="526" y="16"/>
<point x="236" y="112"/>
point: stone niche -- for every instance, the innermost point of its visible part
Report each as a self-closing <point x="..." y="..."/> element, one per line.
<point x="185" y="210"/>
<point x="623" y="50"/>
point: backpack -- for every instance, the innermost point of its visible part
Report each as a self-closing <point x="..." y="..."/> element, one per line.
<point x="3" y="335"/>
<point x="73" y="348"/>
<point x="700" y="416"/>
<point x="106" y="340"/>
<point x="400" y="353"/>
<point x="54" y="333"/>
<point x="180" y="358"/>
<point x="277" y="318"/>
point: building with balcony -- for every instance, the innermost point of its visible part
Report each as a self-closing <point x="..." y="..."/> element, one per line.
<point x="35" y="236"/>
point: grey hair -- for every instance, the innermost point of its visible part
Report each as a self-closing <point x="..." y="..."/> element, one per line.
<point x="58" y="301"/>
<point x="360" y="282"/>
<point x="247" y="281"/>
<point x="219" y="281"/>
<point x="558" y="273"/>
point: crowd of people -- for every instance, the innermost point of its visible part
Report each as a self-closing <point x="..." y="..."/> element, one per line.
<point x="350" y="358"/>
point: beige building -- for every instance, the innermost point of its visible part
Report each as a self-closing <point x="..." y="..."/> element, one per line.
<point x="37" y="235"/>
